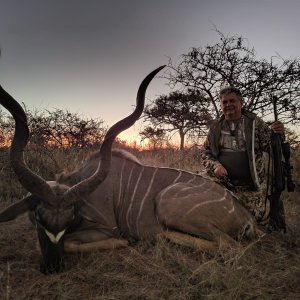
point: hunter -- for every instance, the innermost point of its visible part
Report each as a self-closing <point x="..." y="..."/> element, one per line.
<point x="233" y="151"/>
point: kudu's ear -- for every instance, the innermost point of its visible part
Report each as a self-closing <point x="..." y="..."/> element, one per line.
<point x="16" y="209"/>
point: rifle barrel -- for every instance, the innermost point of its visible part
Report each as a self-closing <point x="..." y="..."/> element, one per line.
<point x="274" y="101"/>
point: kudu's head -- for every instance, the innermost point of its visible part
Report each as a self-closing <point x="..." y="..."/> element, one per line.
<point x="55" y="206"/>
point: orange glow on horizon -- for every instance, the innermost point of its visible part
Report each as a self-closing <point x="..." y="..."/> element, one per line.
<point x="132" y="140"/>
<point x="135" y="141"/>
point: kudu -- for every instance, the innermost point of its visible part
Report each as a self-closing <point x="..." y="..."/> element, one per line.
<point x="113" y="199"/>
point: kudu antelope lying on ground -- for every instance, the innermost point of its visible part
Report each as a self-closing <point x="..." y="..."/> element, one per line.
<point x="113" y="198"/>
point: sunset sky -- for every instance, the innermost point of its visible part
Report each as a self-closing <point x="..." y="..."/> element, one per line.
<point x="90" y="56"/>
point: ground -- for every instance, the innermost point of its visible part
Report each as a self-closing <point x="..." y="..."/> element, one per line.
<point x="268" y="268"/>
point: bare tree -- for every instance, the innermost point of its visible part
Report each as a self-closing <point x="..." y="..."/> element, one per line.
<point x="232" y="62"/>
<point x="184" y="113"/>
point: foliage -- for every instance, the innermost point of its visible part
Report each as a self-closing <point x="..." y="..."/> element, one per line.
<point x="292" y="137"/>
<point x="64" y="129"/>
<point x="57" y="128"/>
<point x="52" y="133"/>
<point x="155" y="136"/>
<point x="6" y="129"/>
<point x="232" y="62"/>
<point x="185" y="113"/>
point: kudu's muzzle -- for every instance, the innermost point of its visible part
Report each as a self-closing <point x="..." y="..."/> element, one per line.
<point x="52" y="253"/>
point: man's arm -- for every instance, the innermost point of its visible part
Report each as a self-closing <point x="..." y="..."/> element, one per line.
<point x="264" y="132"/>
<point x="212" y="166"/>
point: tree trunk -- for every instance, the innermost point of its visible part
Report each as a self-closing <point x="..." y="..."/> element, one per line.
<point x="182" y="135"/>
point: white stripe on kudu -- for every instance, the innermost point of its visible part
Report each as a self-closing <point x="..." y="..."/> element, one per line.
<point x="206" y="203"/>
<point x="177" y="178"/>
<point x="120" y="183"/>
<point x="144" y="199"/>
<point x="132" y="197"/>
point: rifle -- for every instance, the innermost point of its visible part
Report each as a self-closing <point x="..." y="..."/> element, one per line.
<point x="281" y="174"/>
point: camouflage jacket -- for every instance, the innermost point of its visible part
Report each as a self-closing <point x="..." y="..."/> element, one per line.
<point x="257" y="138"/>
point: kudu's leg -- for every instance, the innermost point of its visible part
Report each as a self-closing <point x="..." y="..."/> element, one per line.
<point x="222" y="242"/>
<point x="77" y="247"/>
<point x="189" y="241"/>
<point x="91" y="240"/>
<point x="203" y="212"/>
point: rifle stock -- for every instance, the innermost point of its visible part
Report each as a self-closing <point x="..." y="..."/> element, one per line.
<point x="277" y="218"/>
<point x="281" y="174"/>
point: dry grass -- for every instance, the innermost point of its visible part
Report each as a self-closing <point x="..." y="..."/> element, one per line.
<point x="268" y="268"/>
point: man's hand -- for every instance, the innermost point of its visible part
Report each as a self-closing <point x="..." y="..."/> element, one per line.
<point x="220" y="171"/>
<point x="278" y="127"/>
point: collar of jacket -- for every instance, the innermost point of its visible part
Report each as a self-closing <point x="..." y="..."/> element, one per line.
<point x="215" y="129"/>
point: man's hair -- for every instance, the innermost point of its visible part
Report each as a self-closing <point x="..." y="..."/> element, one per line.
<point x="230" y="89"/>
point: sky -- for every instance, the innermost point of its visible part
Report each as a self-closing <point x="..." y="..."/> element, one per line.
<point x="89" y="56"/>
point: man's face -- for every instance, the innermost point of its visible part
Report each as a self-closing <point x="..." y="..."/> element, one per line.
<point x="231" y="106"/>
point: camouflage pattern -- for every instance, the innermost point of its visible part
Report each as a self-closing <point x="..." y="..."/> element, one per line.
<point x="254" y="201"/>
<point x="254" y="136"/>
